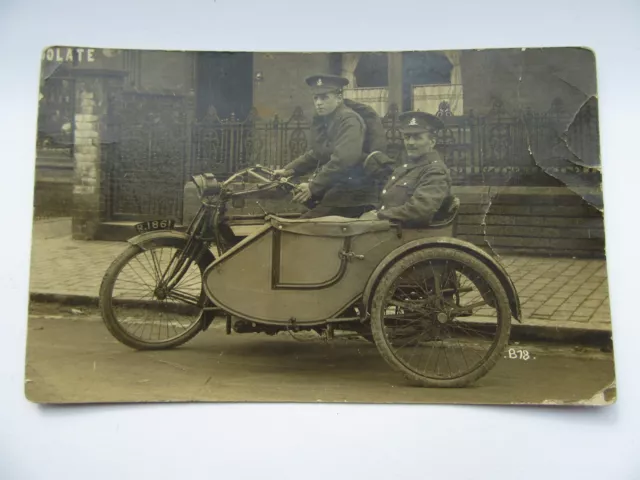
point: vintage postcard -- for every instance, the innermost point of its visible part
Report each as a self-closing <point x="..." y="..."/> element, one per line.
<point x="366" y="227"/>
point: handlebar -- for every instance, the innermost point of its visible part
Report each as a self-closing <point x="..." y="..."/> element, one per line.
<point x="207" y="184"/>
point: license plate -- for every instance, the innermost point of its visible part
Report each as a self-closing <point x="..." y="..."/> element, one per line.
<point x="152" y="225"/>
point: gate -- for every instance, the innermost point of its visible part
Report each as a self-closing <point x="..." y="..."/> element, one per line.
<point x="224" y="146"/>
<point x="156" y="144"/>
<point x="148" y="163"/>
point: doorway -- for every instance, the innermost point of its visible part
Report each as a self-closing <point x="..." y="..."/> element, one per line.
<point x="224" y="81"/>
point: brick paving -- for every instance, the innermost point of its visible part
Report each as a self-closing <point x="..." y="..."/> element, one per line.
<point x="560" y="292"/>
<point x="563" y="291"/>
<point x="64" y="266"/>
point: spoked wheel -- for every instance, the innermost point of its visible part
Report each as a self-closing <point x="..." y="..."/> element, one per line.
<point x="152" y="297"/>
<point x="368" y="335"/>
<point x="441" y="317"/>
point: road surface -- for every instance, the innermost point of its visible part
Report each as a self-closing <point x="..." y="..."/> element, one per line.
<point x="71" y="358"/>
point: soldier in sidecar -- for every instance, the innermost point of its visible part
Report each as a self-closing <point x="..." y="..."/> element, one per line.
<point x="418" y="187"/>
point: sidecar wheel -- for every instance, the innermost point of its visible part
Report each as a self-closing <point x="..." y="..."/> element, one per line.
<point x="133" y="310"/>
<point x="440" y="317"/>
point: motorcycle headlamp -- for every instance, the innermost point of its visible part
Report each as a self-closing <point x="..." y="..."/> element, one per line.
<point x="206" y="184"/>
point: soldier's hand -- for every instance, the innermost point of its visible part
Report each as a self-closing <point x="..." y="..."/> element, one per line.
<point x="282" y="173"/>
<point x="370" y="215"/>
<point x="303" y="193"/>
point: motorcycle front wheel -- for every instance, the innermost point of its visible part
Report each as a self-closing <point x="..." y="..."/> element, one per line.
<point x="137" y="307"/>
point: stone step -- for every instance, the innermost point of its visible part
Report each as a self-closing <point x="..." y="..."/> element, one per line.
<point x="531" y="231"/>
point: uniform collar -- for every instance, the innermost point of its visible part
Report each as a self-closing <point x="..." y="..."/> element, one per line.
<point x="426" y="159"/>
<point x="407" y="166"/>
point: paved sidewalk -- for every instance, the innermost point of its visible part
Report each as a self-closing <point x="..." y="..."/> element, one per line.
<point x="554" y="292"/>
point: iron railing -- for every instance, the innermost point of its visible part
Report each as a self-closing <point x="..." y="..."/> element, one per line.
<point x="161" y="144"/>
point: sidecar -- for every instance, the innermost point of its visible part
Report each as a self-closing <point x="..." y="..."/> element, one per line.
<point x="304" y="272"/>
<point x="402" y="287"/>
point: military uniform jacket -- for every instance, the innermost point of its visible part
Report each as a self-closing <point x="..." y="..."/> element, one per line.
<point x="415" y="191"/>
<point x="337" y="154"/>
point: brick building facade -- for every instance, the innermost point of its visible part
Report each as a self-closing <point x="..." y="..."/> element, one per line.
<point x="120" y="131"/>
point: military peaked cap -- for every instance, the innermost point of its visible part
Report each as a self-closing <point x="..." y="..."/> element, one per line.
<point x="326" y="83"/>
<point x="419" y="122"/>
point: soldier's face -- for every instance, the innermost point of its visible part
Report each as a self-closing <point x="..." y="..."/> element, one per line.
<point x="417" y="144"/>
<point x="326" y="103"/>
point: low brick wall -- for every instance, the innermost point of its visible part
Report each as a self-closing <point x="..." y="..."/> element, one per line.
<point x="544" y="221"/>
<point x="52" y="199"/>
<point x="53" y="189"/>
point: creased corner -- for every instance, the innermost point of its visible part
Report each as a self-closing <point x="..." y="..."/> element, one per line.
<point x="570" y="84"/>
<point x="47" y="73"/>
<point x="606" y="396"/>
<point x="602" y="398"/>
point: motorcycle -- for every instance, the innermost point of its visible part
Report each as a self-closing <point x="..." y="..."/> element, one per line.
<point x="437" y="308"/>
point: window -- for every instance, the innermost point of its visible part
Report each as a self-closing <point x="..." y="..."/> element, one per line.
<point x="372" y="70"/>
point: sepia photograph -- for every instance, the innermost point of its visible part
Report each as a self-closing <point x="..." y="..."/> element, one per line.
<point x="419" y="227"/>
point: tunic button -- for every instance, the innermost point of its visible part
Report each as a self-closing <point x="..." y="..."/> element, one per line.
<point x="384" y="191"/>
<point x="404" y="183"/>
<point x="405" y="165"/>
<point x="382" y="208"/>
<point x="393" y="178"/>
